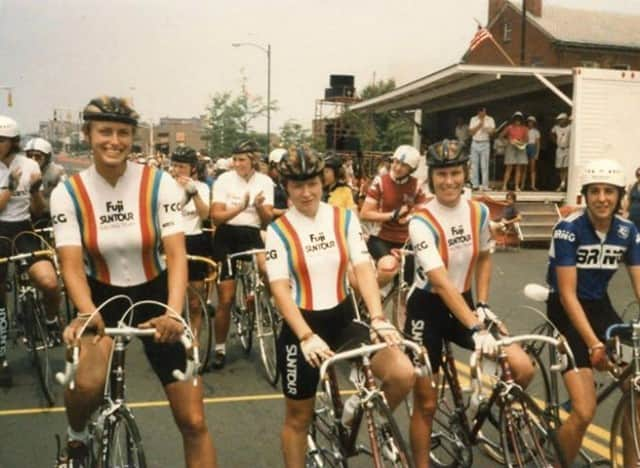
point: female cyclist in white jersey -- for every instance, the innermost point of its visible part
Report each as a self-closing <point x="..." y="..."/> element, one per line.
<point x="450" y="238"/>
<point x="309" y="249"/>
<point x="112" y="223"/>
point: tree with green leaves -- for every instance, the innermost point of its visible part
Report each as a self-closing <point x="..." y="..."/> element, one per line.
<point x="293" y="133"/>
<point x="383" y="131"/>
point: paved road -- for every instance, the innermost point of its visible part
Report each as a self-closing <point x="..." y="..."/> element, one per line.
<point x="244" y="413"/>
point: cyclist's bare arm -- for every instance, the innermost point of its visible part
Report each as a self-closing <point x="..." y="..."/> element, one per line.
<point x="281" y="292"/>
<point x="176" y="255"/>
<point x="369" y="290"/>
<point x="74" y="277"/>
<point x="202" y="207"/>
<point x="483" y="276"/>
<point x="221" y="213"/>
<point x="444" y="287"/>
<point x="369" y="212"/>
<point x="567" y="289"/>
<point x="634" y="275"/>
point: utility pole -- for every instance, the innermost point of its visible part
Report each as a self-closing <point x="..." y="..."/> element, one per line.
<point x="523" y="30"/>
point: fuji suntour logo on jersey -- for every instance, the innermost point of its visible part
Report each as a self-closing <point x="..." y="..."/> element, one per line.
<point x="604" y="257"/>
<point x="115" y="213"/>
<point x="319" y="242"/>
<point x="458" y="236"/>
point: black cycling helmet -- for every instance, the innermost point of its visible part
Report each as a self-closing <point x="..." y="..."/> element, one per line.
<point x="185" y="154"/>
<point x="246" y="146"/>
<point x="332" y="160"/>
<point x="112" y="109"/>
<point x="446" y="153"/>
<point x="300" y="163"/>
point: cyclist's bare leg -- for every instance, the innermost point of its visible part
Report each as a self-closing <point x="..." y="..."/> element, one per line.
<point x="195" y="308"/>
<point x="425" y="398"/>
<point x="298" y="415"/>
<point x="44" y="278"/>
<point x="222" y="320"/>
<point x="394" y="368"/>
<point x="521" y="365"/>
<point x="582" y="393"/>
<point x="387" y="268"/>
<point x="188" y="412"/>
<point x="90" y="378"/>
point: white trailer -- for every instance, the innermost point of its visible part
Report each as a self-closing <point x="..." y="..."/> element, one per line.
<point x="606" y="112"/>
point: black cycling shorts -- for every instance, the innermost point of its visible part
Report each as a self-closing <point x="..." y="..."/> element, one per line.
<point x="197" y="244"/>
<point x="600" y="314"/>
<point x="336" y="327"/>
<point x="378" y="248"/>
<point x="232" y="239"/>
<point x="23" y="244"/>
<point x="430" y="323"/>
<point x="164" y="358"/>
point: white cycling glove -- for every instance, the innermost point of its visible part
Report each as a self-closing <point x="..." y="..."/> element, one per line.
<point x="382" y="329"/>
<point x="191" y="188"/>
<point x="315" y="350"/>
<point x="484" y="313"/>
<point x="485" y="342"/>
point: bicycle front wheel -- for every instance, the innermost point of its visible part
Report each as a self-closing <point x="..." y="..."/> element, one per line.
<point x="243" y="313"/>
<point x="449" y="444"/>
<point x="122" y="444"/>
<point x="624" y="444"/>
<point x="391" y="449"/>
<point x="268" y="326"/>
<point x="323" y="444"/>
<point x="38" y="345"/>
<point x="528" y="435"/>
<point x="201" y="327"/>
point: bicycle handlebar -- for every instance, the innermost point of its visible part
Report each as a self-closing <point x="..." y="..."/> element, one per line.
<point x="560" y="344"/>
<point x="198" y="258"/>
<point x="22" y="256"/>
<point x="617" y="328"/>
<point x="424" y="370"/>
<point x="44" y="229"/>
<point x="67" y="378"/>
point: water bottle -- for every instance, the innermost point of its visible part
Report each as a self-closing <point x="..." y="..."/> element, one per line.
<point x="349" y="410"/>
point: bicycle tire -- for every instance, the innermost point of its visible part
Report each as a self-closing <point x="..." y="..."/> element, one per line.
<point x="121" y="428"/>
<point x="268" y="325"/>
<point x="624" y="407"/>
<point x="528" y="435"/>
<point x="450" y="446"/>
<point x="37" y="343"/>
<point x="391" y="446"/>
<point x="322" y="439"/>
<point x="243" y="314"/>
<point x="204" y="333"/>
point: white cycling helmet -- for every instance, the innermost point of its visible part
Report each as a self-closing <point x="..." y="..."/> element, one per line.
<point x="276" y="155"/>
<point x="408" y="155"/>
<point x="603" y="171"/>
<point x="39" y="144"/>
<point x="223" y="164"/>
<point x="8" y="127"/>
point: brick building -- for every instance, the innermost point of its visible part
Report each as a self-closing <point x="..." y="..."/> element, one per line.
<point x="170" y="132"/>
<point x="559" y="37"/>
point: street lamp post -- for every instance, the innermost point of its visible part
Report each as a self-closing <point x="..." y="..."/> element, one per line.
<point x="266" y="50"/>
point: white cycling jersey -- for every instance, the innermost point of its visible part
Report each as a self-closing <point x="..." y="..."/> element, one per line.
<point x="17" y="208"/>
<point x="120" y="227"/>
<point x="190" y="217"/>
<point x="313" y="254"/>
<point x="231" y="189"/>
<point x="449" y="237"/>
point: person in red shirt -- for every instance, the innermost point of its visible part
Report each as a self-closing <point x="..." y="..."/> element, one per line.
<point x="517" y="134"/>
<point x="390" y="200"/>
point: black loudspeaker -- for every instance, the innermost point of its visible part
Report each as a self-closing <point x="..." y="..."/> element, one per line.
<point x="339" y="92"/>
<point x="336" y="81"/>
<point x="348" y="143"/>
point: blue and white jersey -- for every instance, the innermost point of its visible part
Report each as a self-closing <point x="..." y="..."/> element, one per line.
<point x="596" y="256"/>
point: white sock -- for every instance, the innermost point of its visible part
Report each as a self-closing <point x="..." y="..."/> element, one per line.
<point x="81" y="436"/>
<point x="221" y="348"/>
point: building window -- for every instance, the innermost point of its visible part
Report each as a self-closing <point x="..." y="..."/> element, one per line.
<point x="506" y="32"/>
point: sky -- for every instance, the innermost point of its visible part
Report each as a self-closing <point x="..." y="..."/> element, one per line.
<point x="172" y="56"/>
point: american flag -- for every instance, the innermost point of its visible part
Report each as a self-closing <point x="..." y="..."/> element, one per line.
<point x="481" y="35"/>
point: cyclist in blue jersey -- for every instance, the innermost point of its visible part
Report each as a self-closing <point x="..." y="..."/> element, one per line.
<point x="586" y="250"/>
